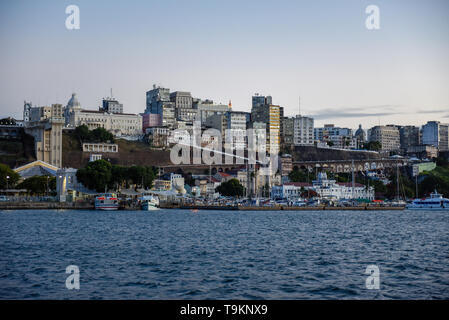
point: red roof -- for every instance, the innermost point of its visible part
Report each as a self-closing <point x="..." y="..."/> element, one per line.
<point x="224" y="174"/>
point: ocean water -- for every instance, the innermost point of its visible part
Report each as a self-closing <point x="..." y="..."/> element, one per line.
<point x="178" y="254"/>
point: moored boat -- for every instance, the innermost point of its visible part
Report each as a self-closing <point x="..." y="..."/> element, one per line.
<point x="106" y="201"/>
<point x="149" y="202"/>
<point x="435" y="202"/>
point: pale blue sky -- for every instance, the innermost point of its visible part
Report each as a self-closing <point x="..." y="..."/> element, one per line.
<point x="229" y="50"/>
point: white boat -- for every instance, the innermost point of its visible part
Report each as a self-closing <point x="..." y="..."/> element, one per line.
<point x="149" y="202"/>
<point x="106" y="201"/>
<point x="435" y="202"/>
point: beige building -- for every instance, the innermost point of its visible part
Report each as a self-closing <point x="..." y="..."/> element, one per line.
<point x="45" y="125"/>
<point x="388" y="136"/>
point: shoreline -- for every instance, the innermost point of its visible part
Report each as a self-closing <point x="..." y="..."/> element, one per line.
<point x="88" y="206"/>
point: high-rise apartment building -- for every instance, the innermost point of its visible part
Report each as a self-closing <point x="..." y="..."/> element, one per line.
<point x="263" y="111"/>
<point x="303" y="134"/>
<point x="436" y="134"/>
<point x="409" y="136"/>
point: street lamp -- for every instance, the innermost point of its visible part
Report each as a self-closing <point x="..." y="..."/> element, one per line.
<point x="7" y="182"/>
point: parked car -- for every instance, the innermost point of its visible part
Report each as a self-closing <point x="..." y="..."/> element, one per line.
<point x="4" y="198"/>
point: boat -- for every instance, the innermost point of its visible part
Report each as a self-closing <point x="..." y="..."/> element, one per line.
<point x="435" y="202"/>
<point x="149" y="202"/>
<point x="106" y="201"/>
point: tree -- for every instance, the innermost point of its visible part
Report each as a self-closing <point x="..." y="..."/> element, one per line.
<point x="5" y="172"/>
<point x="101" y="135"/>
<point x="82" y="132"/>
<point x="231" y="188"/>
<point x="38" y="185"/>
<point x="297" y="176"/>
<point x="97" y="135"/>
<point x="372" y="145"/>
<point x="95" y="175"/>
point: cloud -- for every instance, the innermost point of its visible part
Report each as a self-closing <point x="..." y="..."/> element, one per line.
<point x="356" y="112"/>
<point x="432" y="111"/>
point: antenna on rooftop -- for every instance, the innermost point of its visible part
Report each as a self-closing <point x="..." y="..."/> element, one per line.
<point x="111" y="93"/>
<point x="299" y="105"/>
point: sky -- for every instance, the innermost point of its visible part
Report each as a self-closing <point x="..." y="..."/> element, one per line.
<point x="318" y="50"/>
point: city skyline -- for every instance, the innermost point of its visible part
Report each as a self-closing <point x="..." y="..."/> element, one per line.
<point x="321" y="51"/>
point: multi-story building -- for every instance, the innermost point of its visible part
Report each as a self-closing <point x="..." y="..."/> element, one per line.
<point x="206" y="110"/>
<point x="303" y="134"/>
<point x="45" y="125"/>
<point x="408" y="136"/>
<point x="388" y="136"/>
<point x="186" y="114"/>
<point x="287" y="131"/>
<point x="119" y="124"/>
<point x="156" y="98"/>
<point x="236" y="123"/>
<point x="260" y="137"/>
<point x="436" y="134"/>
<point x="181" y="99"/>
<point x="158" y="102"/>
<point x="335" y="136"/>
<point x="325" y="188"/>
<point x="423" y="151"/>
<point x="158" y="136"/>
<point x="271" y="115"/>
<point x="111" y="105"/>
<point x="151" y="120"/>
<point x="285" y="164"/>
<point x="258" y="100"/>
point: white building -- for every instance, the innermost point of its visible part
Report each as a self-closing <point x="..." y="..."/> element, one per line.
<point x="119" y="124"/>
<point x="289" y="191"/>
<point x="330" y="189"/>
<point x="325" y="188"/>
<point x="303" y="134"/>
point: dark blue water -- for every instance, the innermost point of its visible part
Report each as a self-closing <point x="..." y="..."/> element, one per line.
<point x="177" y="254"/>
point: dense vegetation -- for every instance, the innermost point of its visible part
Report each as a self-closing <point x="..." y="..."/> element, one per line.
<point x="5" y="172"/>
<point x="100" y="174"/>
<point x="39" y="185"/>
<point x="231" y="188"/>
<point x="372" y="145"/>
<point x="97" y="135"/>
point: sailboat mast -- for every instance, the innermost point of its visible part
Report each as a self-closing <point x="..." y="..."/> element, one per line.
<point x="352" y="162"/>
<point x="397" y="180"/>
